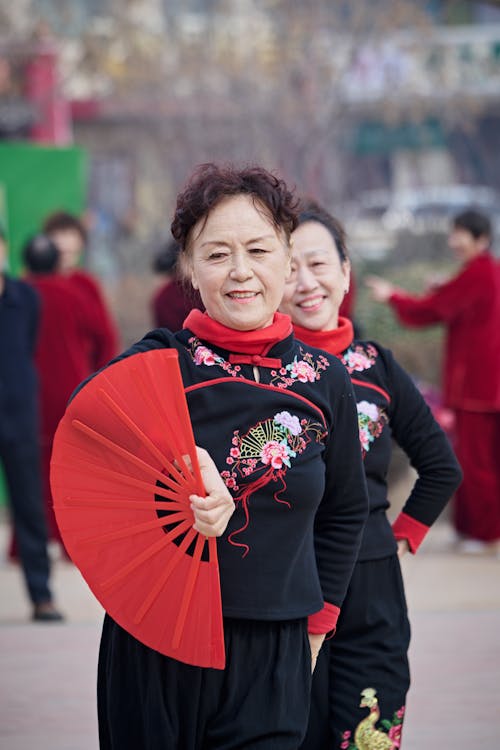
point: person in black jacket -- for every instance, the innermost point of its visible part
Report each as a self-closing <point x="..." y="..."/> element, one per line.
<point x="19" y="445"/>
<point x="288" y="495"/>
<point x="362" y="675"/>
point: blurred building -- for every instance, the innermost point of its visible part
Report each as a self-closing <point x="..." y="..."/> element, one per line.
<point x="344" y="98"/>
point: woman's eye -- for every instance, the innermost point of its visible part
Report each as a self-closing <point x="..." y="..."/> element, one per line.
<point x="217" y="255"/>
<point x="257" y="250"/>
<point x="317" y="264"/>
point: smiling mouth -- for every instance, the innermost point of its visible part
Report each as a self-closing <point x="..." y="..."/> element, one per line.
<point x="311" y="304"/>
<point x="242" y="296"/>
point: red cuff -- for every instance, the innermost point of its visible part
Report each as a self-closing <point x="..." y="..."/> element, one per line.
<point x="323" y="621"/>
<point x="406" y="527"/>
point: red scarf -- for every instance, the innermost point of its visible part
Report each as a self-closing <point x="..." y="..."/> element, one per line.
<point x="255" y="343"/>
<point x="333" y="342"/>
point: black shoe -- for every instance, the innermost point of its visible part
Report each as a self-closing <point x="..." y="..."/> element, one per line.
<point x="46" y="612"/>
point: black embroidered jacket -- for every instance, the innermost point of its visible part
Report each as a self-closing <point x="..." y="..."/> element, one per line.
<point x="390" y="407"/>
<point x="288" y="449"/>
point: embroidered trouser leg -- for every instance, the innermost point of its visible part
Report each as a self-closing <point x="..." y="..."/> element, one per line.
<point x="261" y="699"/>
<point x="477" y="500"/>
<point x="362" y="673"/>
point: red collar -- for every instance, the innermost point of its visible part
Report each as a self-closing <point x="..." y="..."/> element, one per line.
<point x="253" y="344"/>
<point x="334" y="341"/>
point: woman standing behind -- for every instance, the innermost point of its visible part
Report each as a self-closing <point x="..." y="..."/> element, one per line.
<point x="362" y="674"/>
<point x="279" y="420"/>
<point x="174" y="298"/>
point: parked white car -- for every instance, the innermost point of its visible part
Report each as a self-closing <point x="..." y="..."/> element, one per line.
<point x="379" y="215"/>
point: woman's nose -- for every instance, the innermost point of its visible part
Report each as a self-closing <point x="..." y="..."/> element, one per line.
<point x="241" y="268"/>
<point x="306" y="280"/>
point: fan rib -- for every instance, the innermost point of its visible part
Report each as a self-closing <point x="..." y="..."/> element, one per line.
<point x="138" y="528"/>
<point x="188" y="591"/>
<point x="153" y="489"/>
<point x="120" y="504"/>
<point x="160" y="583"/>
<point x="146" y="554"/>
<point x="184" y="419"/>
<point x="123" y="452"/>
<point x="212" y="549"/>
<point x="175" y="429"/>
<point x="143" y="437"/>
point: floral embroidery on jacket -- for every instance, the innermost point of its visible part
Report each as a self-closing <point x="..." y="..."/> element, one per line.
<point x="359" y="358"/>
<point x="367" y="736"/>
<point x="268" y="448"/>
<point x="371" y="421"/>
<point x="303" y="370"/>
<point x="202" y="355"/>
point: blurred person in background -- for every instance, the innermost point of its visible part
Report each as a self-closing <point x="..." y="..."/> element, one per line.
<point x="69" y="325"/>
<point x="362" y="674"/>
<point x="19" y="446"/>
<point x="174" y="299"/>
<point x="468" y="305"/>
<point x="70" y="236"/>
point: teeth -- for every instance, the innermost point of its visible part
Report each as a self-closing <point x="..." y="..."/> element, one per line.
<point x="242" y="295"/>
<point x="310" y="302"/>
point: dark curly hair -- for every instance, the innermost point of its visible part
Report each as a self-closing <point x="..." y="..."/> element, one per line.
<point x="210" y="183"/>
<point x="311" y="211"/>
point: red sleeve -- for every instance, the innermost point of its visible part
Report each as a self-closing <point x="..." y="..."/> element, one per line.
<point x="103" y="333"/>
<point x="441" y="305"/>
<point x="323" y="621"/>
<point x="406" y="527"/>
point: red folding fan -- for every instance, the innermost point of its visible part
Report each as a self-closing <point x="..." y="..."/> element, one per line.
<point x="123" y="467"/>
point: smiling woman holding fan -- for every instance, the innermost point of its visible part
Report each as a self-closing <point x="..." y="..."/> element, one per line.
<point x="280" y="493"/>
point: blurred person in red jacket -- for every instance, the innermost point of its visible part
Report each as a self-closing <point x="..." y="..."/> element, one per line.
<point x="469" y="306"/>
<point x="69" y="326"/>
<point x="174" y="299"/>
<point x="70" y="236"/>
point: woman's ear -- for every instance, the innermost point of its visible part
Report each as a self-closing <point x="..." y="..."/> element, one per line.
<point x="186" y="269"/>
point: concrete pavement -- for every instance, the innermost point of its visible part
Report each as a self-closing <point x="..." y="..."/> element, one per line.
<point x="48" y="672"/>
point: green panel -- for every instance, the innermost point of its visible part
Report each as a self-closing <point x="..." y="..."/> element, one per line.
<point x="34" y="182"/>
<point x="378" y="138"/>
<point x="39" y="180"/>
<point x="3" y="227"/>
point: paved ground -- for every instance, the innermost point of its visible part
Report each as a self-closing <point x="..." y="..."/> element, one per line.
<point x="47" y="673"/>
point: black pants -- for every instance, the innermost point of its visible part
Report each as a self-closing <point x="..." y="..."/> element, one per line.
<point x="260" y="700"/>
<point x="21" y="463"/>
<point x="362" y="675"/>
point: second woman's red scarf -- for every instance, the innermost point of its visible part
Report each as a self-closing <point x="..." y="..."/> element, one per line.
<point x="334" y="341"/>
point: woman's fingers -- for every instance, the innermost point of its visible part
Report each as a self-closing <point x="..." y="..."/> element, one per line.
<point x="210" y="501"/>
<point x="213" y="522"/>
<point x="315" y="642"/>
<point x="211" y="513"/>
<point x="212" y="480"/>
